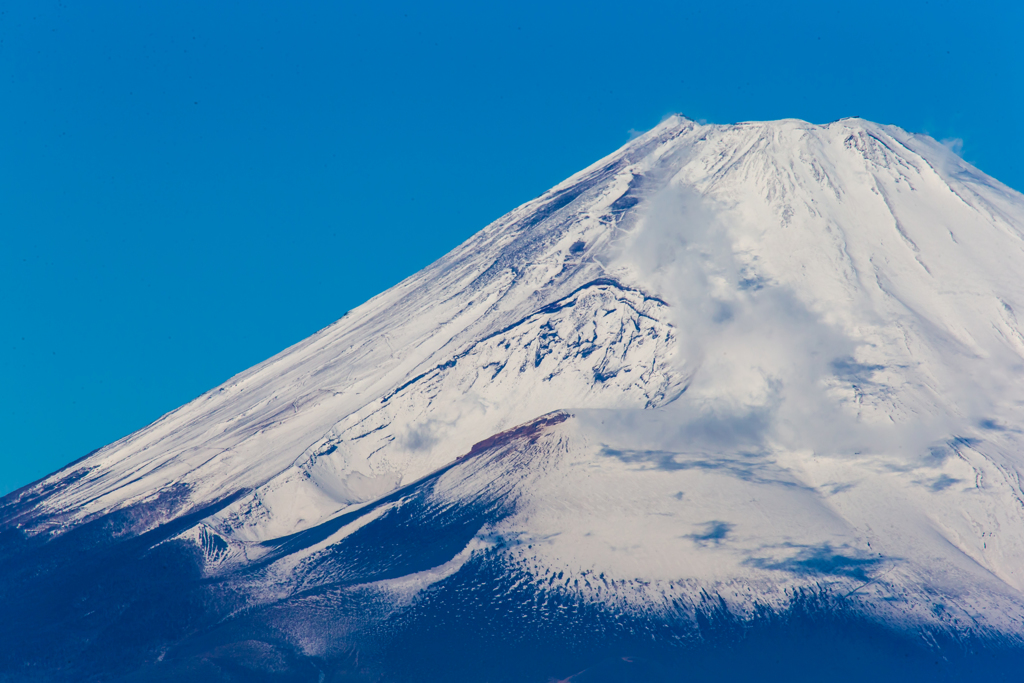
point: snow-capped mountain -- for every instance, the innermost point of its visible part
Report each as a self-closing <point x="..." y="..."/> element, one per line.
<point x="728" y="383"/>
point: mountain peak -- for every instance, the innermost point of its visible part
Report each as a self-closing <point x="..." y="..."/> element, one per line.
<point x="784" y="358"/>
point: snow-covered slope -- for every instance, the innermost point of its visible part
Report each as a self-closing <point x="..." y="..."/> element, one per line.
<point x="782" y="356"/>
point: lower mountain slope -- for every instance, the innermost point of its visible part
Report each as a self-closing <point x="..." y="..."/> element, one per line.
<point x="531" y="557"/>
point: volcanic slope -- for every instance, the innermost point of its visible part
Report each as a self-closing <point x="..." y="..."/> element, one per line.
<point x="727" y="378"/>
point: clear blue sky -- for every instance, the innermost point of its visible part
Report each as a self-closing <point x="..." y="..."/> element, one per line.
<point x="186" y="188"/>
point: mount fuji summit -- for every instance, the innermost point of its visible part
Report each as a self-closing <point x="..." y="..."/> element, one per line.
<point x="737" y="402"/>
